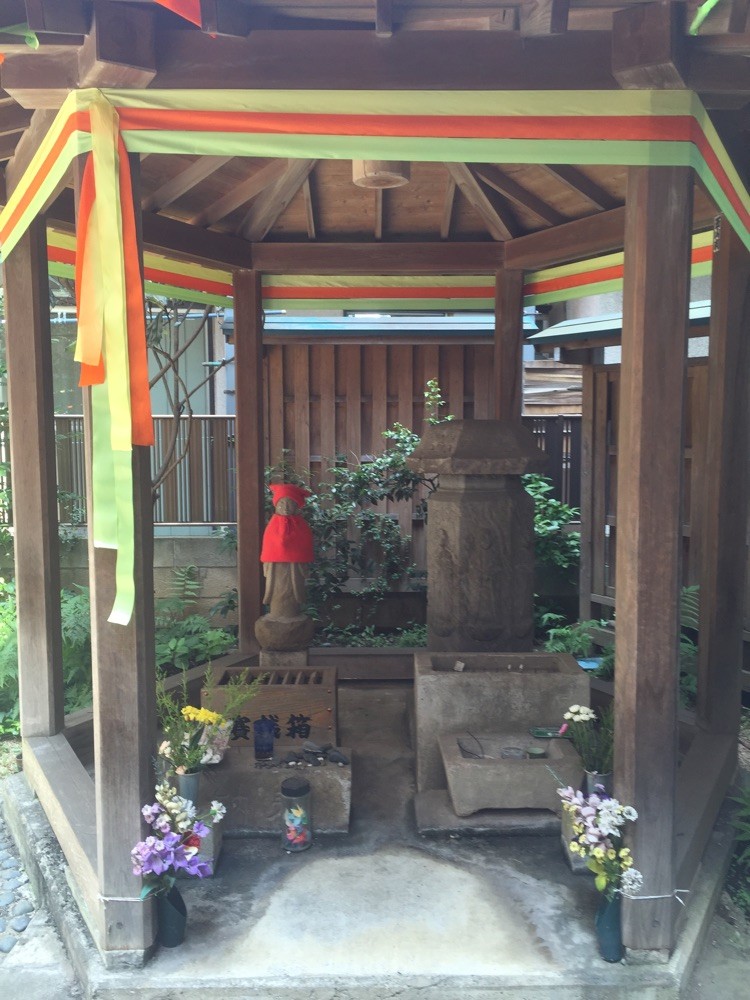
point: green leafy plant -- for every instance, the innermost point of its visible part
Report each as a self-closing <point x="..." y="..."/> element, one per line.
<point x="184" y="640"/>
<point x="357" y="635"/>
<point x="554" y="544"/>
<point x="574" y="639"/>
<point x="738" y="878"/>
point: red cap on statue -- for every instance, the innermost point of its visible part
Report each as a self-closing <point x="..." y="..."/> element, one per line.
<point x="296" y="493"/>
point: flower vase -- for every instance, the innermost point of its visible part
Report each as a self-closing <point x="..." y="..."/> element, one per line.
<point x="608" y="929"/>
<point x="172" y="918"/>
<point x="592" y="778"/>
<point x="188" y="785"/>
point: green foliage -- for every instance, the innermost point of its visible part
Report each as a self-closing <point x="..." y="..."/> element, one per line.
<point x="574" y="639"/>
<point x="184" y="640"/>
<point x="365" y="635"/>
<point x="738" y="881"/>
<point x="553" y="545"/>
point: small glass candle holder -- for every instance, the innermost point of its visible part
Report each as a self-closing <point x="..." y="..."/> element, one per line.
<point x="263" y="730"/>
<point x="296" y="814"/>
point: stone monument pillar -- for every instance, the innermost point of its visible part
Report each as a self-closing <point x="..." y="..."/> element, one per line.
<point x="480" y="535"/>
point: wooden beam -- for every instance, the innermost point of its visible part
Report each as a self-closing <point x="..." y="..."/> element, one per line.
<point x="27" y="146"/>
<point x="309" y="208"/>
<point x="8" y="145"/>
<point x="648" y="46"/>
<point x="368" y="258"/>
<point x="544" y="17"/>
<point x="13" y="119"/>
<point x="719" y="74"/>
<point x="514" y="192"/>
<point x="649" y="496"/>
<point x="464" y="18"/>
<point x="492" y="210"/>
<point x="508" y="345"/>
<point x="703" y="780"/>
<point x="63" y="16"/>
<point x="582" y="238"/>
<point x="120" y="50"/>
<point x="181" y="240"/>
<point x="450" y="197"/>
<point x="725" y="475"/>
<point x="124" y="705"/>
<point x="32" y="458"/>
<point x="240" y="194"/>
<point x="225" y="17"/>
<point x="572" y="241"/>
<point x="379" y="214"/>
<point x="738" y="16"/>
<point x="248" y="363"/>
<point x="581" y="185"/>
<point x="185" y="242"/>
<point x="183" y="182"/>
<point x="480" y="60"/>
<point x="66" y="793"/>
<point x="383" y="18"/>
<point x="271" y="204"/>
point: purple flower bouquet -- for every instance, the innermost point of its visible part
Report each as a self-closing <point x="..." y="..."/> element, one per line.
<point x="175" y="842"/>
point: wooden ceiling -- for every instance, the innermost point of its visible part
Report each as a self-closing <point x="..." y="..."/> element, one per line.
<point x="362" y="44"/>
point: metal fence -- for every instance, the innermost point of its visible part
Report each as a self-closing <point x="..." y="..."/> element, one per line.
<point x="201" y="488"/>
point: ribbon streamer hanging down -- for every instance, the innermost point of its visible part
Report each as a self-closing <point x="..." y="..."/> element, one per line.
<point x="111" y="345"/>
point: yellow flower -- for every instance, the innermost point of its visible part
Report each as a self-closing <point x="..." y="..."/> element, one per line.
<point x="578" y="828"/>
<point x="573" y="847"/>
<point x="627" y="862"/>
<point x="202" y="716"/>
<point x="624" y="852"/>
<point x="611" y="854"/>
<point x="598" y="852"/>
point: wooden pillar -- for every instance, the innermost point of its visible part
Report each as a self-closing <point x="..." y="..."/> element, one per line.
<point x="124" y="709"/>
<point x="32" y="449"/>
<point x="654" y="348"/>
<point x="588" y="433"/>
<point x="248" y="363"/>
<point x="725" y="482"/>
<point x="508" y="352"/>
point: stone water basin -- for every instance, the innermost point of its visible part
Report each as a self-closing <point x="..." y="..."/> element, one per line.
<point x="491" y="693"/>
<point x="496" y="782"/>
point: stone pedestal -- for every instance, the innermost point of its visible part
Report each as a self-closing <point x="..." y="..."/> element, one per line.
<point x="480" y="535"/>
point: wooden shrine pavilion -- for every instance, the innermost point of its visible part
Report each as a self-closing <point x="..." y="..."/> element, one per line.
<point x="210" y="148"/>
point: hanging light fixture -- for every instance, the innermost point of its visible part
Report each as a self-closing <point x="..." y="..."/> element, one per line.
<point x="379" y="174"/>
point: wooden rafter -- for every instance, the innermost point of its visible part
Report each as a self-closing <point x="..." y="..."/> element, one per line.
<point x="65" y="16"/>
<point x="384" y="18"/>
<point x="120" y="49"/>
<point x="240" y="194"/>
<point x="493" y="210"/>
<point x="544" y="17"/>
<point x="514" y="192"/>
<point x="268" y="207"/>
<point x="450" y="197"/>
<point x="579" y="183"/>
<point x="183" y="182"/>
<point x="379" y="214"/>
<point x="738" y="16"/>
<point x="309" y="208"/>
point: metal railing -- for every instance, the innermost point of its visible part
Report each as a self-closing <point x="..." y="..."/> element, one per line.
<point x="201" y="488"/>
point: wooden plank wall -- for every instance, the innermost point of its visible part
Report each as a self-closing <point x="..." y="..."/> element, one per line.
<point x="602" y="432"/>
<point x="333" y="401"/>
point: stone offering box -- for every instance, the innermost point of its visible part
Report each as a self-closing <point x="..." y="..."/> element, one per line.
<point x="301" y="701"/>
<point x="252" y="795"/>
<point x="494" y="782"/>
<point x="492" y="693"/>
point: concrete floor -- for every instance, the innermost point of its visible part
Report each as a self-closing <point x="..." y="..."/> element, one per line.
<point x="385" y="913"/>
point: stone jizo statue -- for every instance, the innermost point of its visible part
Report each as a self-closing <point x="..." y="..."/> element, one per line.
<point x="286" y="554"/>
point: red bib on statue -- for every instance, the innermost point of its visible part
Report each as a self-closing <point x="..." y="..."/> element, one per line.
<point x="287" y="538"/>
